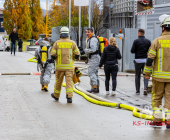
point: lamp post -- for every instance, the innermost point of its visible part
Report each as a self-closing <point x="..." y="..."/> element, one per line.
<point x="69" y="15"/>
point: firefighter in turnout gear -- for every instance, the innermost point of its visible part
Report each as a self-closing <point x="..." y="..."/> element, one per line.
<point x="45" y="63"/>
<point x="158" y="64"/>
<point x="64" y="52"/>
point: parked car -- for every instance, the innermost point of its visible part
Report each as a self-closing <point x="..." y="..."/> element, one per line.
<point x="144" y="2"/>
<point x="38" y="41"/>
<point x="32" y="41"/>
<point x="2" y="48"/>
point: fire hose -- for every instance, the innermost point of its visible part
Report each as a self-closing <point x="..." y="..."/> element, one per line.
<point x="137" y="112"/>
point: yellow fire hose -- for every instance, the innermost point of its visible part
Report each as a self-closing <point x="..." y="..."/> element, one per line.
<point x="134" y="109"/>
<point x="33" y="59"/>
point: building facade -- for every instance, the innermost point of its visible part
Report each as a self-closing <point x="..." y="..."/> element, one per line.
<point x="121" y="13"/>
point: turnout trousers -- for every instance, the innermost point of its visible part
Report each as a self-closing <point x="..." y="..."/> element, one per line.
<point x="159" y="90"/>
<point x="59" y="80"/>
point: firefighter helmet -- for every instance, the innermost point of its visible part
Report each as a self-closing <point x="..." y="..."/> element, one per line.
<point x="165" y="19"/>
<point x="64" y="30"/>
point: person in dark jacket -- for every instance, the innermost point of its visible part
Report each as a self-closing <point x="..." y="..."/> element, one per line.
<point x="109" y="58"/>
<point x="20" y="45"/>
<point x="140" y="48"/>
<point x="13" y="37"/>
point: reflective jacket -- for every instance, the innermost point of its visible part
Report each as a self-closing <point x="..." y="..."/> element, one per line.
<point x="65" y="51"/>
<point x="160" y="53"/>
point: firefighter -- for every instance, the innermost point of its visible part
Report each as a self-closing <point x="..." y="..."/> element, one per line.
<point x="93" y="51"/>
<point x="45" y="63"/>
<point x="64" y="52"/>
<point x="158" y="64"/>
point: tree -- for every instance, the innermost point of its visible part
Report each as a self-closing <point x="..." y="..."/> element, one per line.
<point x="25" y="16"/>
<point x="7" y="12"/>
<point x="24" y="21"/>
<point x="97" y="19"/>
<point x="60" y="17"/>
<point x="37" y="18"/>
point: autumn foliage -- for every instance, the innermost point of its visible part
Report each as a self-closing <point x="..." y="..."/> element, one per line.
<point x="25" y="16"/>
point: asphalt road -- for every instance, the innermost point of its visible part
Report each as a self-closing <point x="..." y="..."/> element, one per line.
<point x="27" y="113"/>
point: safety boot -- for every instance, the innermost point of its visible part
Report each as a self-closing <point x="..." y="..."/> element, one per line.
<point x="168" y="126"/>
<point x="94" y="90"/>
<point x="52" y="95"/>
<point x="155" y="124"/>
<point x="69" y="100"/>
<point x="46" y="87"/>
<point x="42" y="87"/>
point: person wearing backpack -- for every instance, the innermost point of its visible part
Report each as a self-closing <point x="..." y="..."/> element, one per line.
<point x="109" y="58"/>
<point x="65" y="52"/>
<point x="93" y="51"/>
<point x="45" y="63"/>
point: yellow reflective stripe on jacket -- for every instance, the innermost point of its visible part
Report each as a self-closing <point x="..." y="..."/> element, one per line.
<point x="161" y="76"/>
<point x="158" y="74"/>
<point x="161" y="73"/>
<point x="76" y="50"/>
<point x="70" y="56"/>
<point x="69" y="90"/>
<point x="160" y="60"/>
<point x="152" y="52"/>
<point x="54" y="51"/>
<point x="59" y="56"/>
<point x="149" y="70"/>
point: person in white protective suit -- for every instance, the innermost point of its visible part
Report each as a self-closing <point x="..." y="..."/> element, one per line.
<point x="92" y="50"/>
<point x="45" y="63"/>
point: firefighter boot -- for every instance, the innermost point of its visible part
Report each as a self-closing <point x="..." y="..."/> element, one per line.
<point x="42" y="87"/>
<point x="69" y="100"/>
<point x="46" y="87"/>
<point x="52" y="95"/>
<point x="155" y="124"/>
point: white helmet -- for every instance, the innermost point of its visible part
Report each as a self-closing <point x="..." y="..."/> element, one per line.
<point x="165" y="20"/>
<point x="64" y="30"/>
